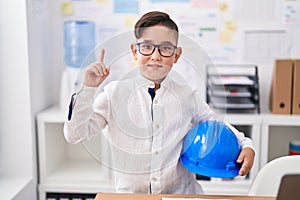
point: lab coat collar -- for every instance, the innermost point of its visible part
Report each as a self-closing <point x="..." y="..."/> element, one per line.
<point x="141" y="80"/>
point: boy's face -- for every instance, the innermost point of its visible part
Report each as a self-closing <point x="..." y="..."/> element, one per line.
<point x="156" y="66"/>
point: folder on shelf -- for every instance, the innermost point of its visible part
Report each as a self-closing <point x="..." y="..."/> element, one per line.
<point x="281" y="91"/>
<point x="296" y="88"/>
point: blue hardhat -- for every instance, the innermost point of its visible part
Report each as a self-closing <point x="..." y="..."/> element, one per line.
<point x="211" y="149"/>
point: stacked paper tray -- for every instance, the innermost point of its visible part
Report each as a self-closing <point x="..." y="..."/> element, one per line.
<point x="233" y="87"/>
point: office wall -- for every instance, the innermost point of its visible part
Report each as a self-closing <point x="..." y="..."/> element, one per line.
<point x="14" y="88"/>
<point x="17" y="144"/>
<point x="26" y="88"/>
<point x="223" y="27"/>
<point x="255" y="32"/>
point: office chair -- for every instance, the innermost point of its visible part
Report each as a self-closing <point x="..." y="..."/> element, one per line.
<point x="267" y="181"/>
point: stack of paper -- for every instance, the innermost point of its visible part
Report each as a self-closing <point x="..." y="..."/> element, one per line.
<point x="232" y="103"/>
<point x="231" y="80"/>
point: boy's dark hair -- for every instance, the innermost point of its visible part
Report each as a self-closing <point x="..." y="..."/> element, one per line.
<point x="151" y="19"/>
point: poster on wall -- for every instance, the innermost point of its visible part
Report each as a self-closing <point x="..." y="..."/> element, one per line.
<point x="124" y="6"/>
<point x="291" y="13"/>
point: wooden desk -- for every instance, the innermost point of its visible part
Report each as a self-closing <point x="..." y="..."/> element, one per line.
<point x="118" y="196"/>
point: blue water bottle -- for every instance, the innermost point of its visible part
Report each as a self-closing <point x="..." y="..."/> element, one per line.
<point x="79" y="41"/>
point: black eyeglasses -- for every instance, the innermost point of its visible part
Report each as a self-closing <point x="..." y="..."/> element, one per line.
<point x="147" y="49"/>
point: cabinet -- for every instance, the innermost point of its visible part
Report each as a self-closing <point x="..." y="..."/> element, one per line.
<point x="69" y="168"/>
<point x="63" y="167"/>
<point x="277" y="132"/>
<point x="271" y="135"/>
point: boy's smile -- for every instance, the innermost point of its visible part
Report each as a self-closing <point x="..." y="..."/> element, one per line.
<point x="154" y="66"/>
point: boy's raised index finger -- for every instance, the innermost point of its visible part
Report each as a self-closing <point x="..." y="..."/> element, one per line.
<point x="101" y="56"/>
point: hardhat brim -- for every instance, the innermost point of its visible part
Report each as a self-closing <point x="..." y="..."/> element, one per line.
<point x="210" y="172"/>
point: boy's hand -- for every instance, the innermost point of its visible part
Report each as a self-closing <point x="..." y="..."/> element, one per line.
<point x="97" y="72"/>
<point x="246" y="157"/>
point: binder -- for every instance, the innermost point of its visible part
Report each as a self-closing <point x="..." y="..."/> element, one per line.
<point x="281" y="91"/>
<point x="296" y="88"/>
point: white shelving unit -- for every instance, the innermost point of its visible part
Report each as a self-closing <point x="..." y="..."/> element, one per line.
<point x="271" y="135"/>
<point x="69" y="168"/>
<point x="66" y="168"/>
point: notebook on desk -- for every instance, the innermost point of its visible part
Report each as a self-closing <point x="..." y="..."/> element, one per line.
<point x="289" y="188"/>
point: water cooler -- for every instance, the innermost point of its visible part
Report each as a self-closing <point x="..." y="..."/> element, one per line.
<point x="79" y="41"/>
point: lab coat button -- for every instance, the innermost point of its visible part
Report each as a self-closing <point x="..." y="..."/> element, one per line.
<point x="154" y="179"/>
<point x="156" y="101"/>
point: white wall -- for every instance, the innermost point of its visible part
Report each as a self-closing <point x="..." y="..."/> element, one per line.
<point x="26" y="87"/>
<point x="191" y="16"/>
<point x="16" y="131"/>
<point x="15" y="115"/>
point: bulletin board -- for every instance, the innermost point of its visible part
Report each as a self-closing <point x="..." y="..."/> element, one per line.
<point x="230" y="31"/>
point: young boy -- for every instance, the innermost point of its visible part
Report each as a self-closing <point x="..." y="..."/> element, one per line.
<point x="147" y="114"/>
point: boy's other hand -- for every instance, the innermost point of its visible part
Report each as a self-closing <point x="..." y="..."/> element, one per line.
<point x="246" y="157"/>
<point x="97" y="72"/>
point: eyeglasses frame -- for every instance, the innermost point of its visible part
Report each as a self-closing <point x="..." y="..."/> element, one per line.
<point x="155" y="46"/>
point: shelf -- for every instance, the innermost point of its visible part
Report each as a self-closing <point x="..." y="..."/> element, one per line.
<point x="281" y="120"/>
<point x="263" y="118"/>
<point x="78" y="176"/>
<point x="226" y="187"/>
<point x="64" y="167"/>
<point x="242" y="119"/>
<point x="278" y="130"/>
<point x="77" y="170"/>
<point x="53" y="115"/>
